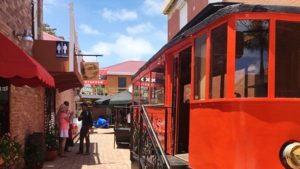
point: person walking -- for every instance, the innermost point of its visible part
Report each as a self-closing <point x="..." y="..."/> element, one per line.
<point x="64" y="123"/>
<point x="87" y="123"/>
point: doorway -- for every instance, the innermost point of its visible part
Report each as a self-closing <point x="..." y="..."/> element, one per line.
<point x="4" y="106"/>
<point x="182" y="101"/>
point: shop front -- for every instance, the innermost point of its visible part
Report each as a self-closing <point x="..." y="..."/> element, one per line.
<point x="22" y="85"/>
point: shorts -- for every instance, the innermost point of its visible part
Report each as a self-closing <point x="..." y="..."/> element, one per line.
<point x="64" y="133"/>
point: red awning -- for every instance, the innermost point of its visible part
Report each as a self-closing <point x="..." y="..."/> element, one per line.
<point x="21" y="68"/>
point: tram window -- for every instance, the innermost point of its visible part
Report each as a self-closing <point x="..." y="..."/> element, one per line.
<point x="251" y="65"/>
<point x="158" y="88"/>
<point x="136" y="94"/>
<point x="144" y="94"/>
<point x="145" y="83"/>
<point x="287" y="83"/>
<point x="199" y="68"/>
<point x="218" y="62"/>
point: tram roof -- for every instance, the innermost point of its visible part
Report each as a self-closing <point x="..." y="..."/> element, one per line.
<point x="211" y="13"/>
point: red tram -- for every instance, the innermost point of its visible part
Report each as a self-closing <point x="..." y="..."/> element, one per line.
<point x="225" y="91"/>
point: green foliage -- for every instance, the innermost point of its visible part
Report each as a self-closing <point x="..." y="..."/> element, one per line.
<point x="52" y="31"/>
<point x="48" y="29"/>
<point x="52" y="138"/>
<point x="10" y="151"/>
<point x="34" y="150"/>
<point x="52" y="141"/>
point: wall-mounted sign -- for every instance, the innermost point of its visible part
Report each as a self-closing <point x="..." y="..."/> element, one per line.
<point x="62" y="49"/>
<point x="90" y="70"/>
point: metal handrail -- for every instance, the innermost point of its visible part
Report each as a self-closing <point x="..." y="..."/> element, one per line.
<point x="150" y="127"/>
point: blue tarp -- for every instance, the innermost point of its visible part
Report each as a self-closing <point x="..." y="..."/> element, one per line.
<point x="101" y="123"/>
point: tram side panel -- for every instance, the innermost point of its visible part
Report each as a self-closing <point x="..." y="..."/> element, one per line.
<point x="242" y="134"/>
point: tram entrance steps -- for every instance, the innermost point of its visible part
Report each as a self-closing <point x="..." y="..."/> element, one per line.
<point x="184" y="157"/>
<point x="177" y="163"/>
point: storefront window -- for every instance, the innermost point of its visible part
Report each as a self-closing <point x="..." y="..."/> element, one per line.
<point x="251" y="65"/>
<point x="4" y="106"/>
<point x="158" y="88"/>
<point x="199" y="68"/>
<point x="287" y="83"/>
<point x="218" y="62"/>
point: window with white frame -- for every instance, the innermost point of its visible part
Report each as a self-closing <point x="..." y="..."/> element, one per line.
<point x="183" y="12"/>
<point x="214" y="1"/>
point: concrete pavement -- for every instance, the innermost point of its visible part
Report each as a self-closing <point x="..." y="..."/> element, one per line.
<point x="103" y="155"/>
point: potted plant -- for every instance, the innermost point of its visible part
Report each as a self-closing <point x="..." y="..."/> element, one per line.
<point x="52" y="145"/>
<point x="10" y="152"/>
<point x="1" y="162"/>
<point x="35" y="151"/>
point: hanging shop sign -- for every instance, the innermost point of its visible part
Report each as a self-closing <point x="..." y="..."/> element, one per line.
<point x="90" y="70"/>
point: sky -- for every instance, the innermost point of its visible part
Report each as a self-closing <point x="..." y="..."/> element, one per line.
<point x="120" y="30"/>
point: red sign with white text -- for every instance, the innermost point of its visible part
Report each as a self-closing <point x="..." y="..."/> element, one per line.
<point x="102" y="79"/>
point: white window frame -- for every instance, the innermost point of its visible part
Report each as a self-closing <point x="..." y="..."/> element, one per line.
<point x="183" y="13"/>
<point x="214" y="1"/>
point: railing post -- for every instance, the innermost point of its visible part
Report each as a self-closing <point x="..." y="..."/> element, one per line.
<point x="140" y="137"/>
<point x="166" y="129"/>
<point x="131" y="133"/>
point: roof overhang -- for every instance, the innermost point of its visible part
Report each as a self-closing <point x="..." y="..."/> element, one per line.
<point x="20" y="68"/>
<point x="167" y="6"/>
<point x="44" y="51"/>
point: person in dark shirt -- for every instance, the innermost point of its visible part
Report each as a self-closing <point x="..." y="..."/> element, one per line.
<point x="87" y="123"/>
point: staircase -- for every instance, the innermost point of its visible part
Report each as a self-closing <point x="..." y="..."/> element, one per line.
<point x="177" y="163"/>
<point x="146" y="150"/>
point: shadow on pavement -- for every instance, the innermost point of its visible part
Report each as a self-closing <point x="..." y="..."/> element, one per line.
<point x="74" y="160"/>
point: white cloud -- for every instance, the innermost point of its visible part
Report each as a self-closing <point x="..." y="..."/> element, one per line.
<point x="140" y="28"/>
<point x="152" y="7"/>
<point x="125" y="48"/>
<point x="88" y="29"/>
<point x="50" y="2"/>
<point x="50" y="6"/>
<point x="118" y="15"/>
<point x="162" y="35"/>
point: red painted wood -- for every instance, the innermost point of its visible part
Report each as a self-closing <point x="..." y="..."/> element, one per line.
<point x="236" y="133"/>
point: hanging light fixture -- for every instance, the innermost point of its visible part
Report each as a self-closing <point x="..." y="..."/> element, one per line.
<point x="25" y="36"/>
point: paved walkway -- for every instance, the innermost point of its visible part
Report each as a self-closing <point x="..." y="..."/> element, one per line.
<point x="103" y="155"/>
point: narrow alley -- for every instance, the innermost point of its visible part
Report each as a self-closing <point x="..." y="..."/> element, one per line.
<point x="103" y="154"/>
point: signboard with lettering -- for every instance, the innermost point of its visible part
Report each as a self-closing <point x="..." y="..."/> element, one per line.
<point x="62" y="49"/>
